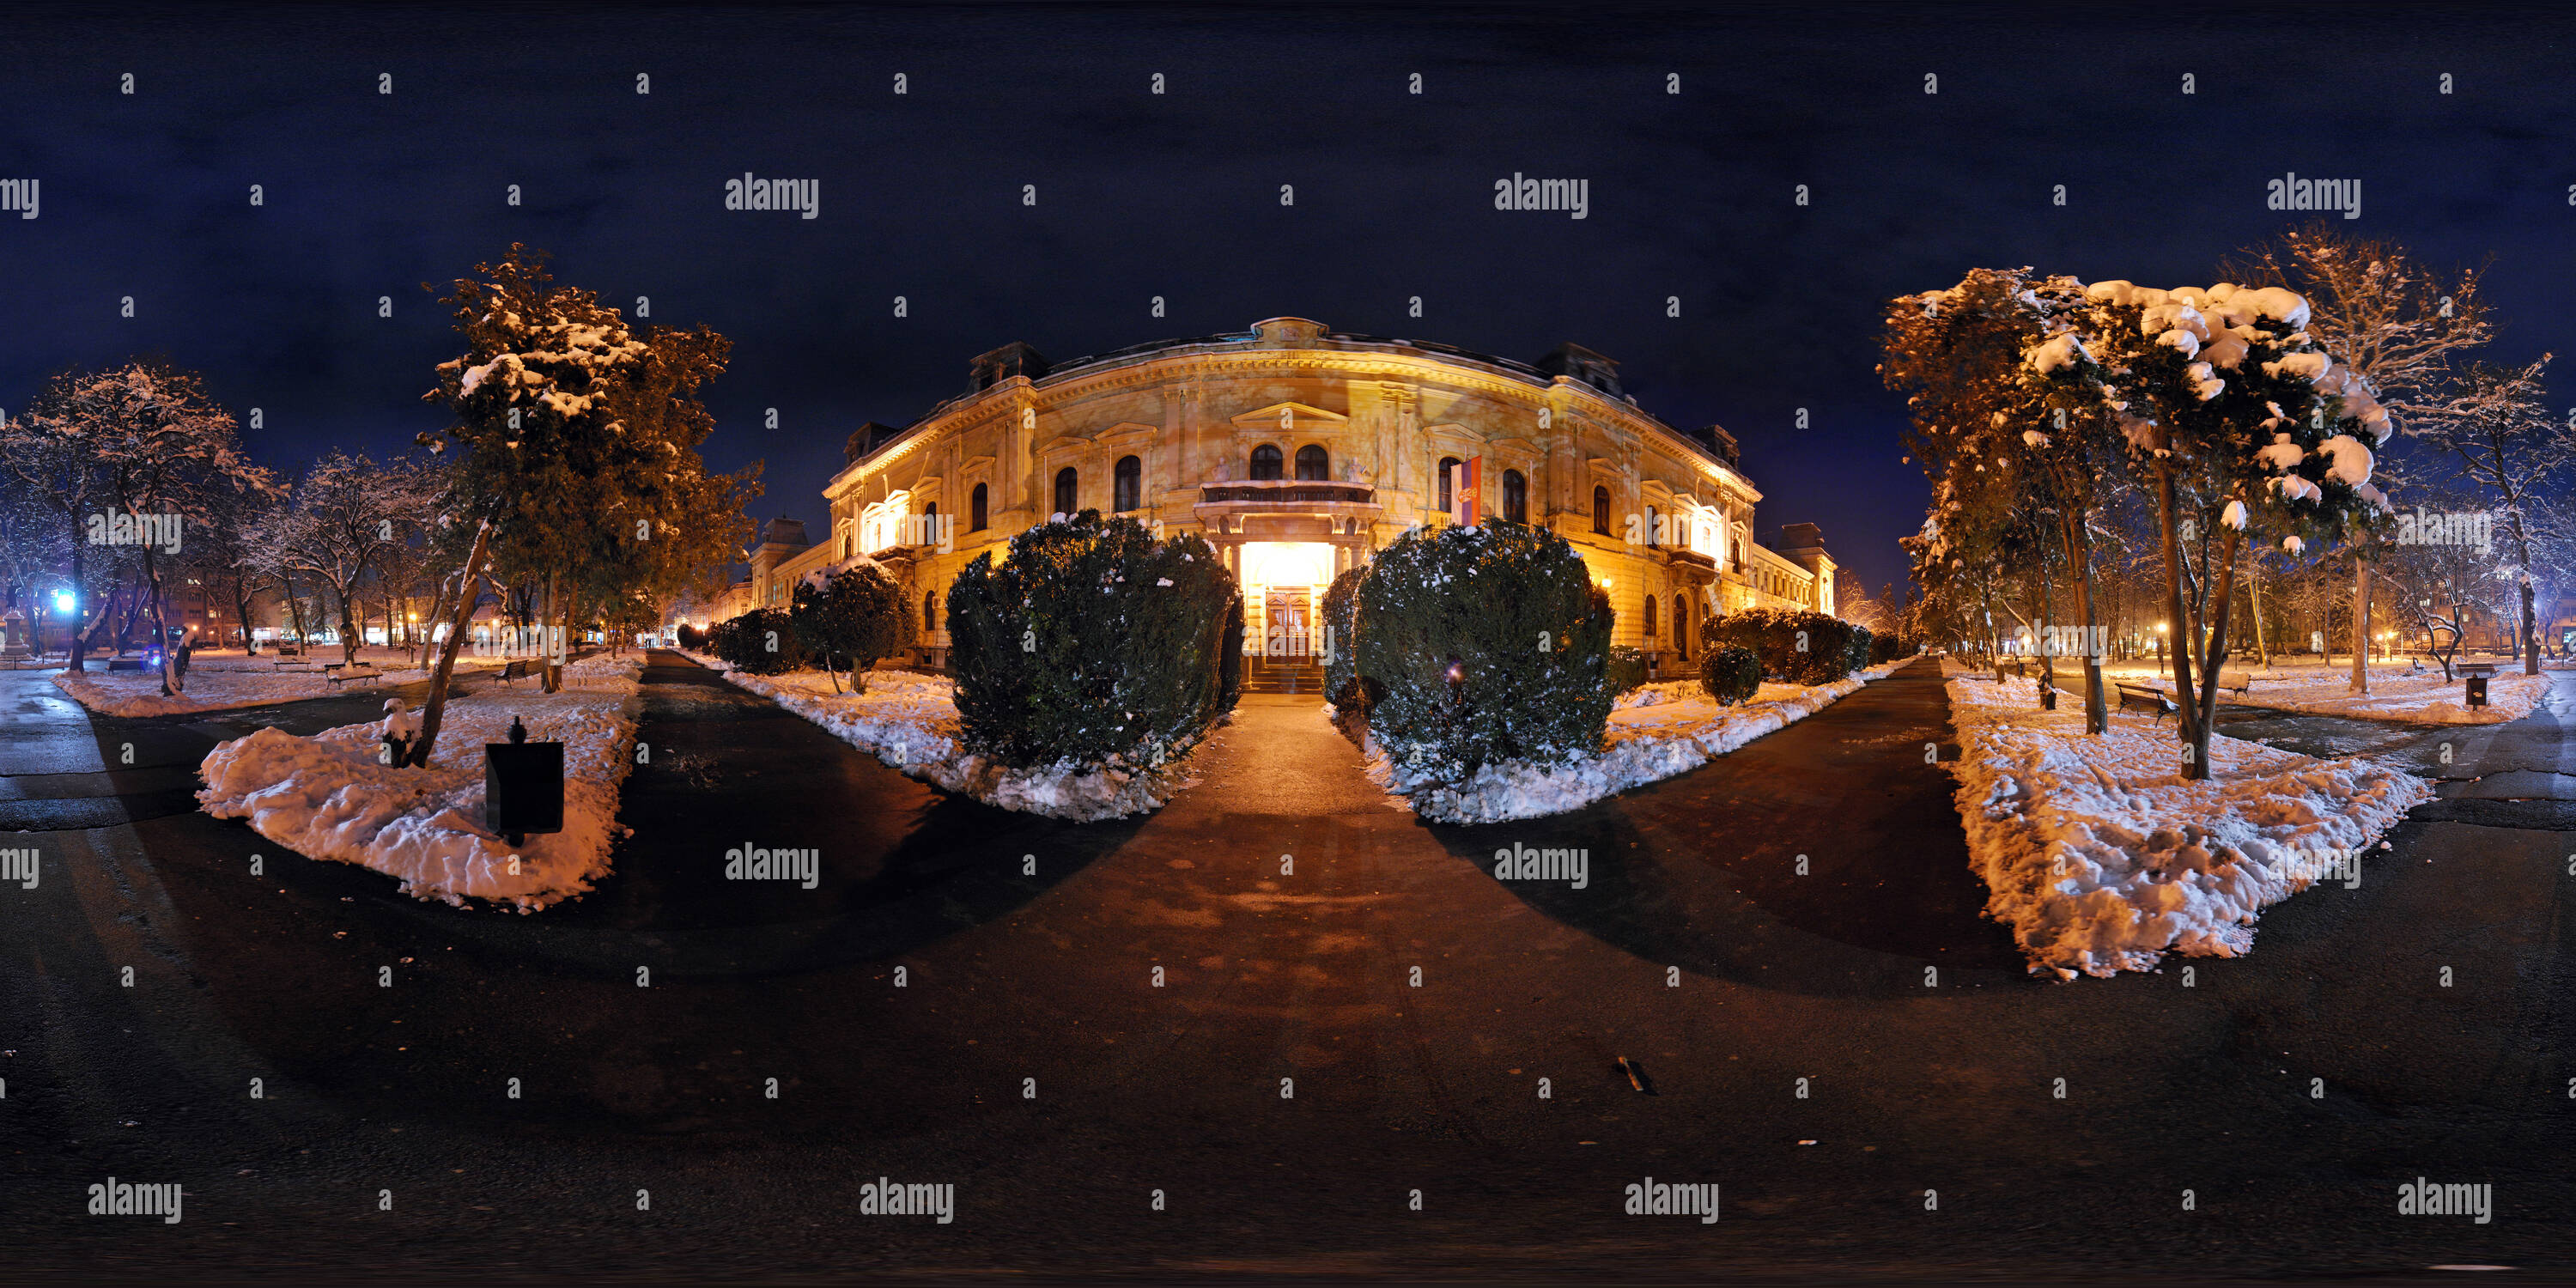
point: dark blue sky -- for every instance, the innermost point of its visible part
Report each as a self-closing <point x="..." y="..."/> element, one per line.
<point x="370" y="195"/>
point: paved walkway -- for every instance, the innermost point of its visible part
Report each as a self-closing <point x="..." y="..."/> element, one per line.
<point x="1695" y="951"/>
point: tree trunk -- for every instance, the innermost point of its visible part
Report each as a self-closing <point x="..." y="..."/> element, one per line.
<point x="2361" y="626"/>
<point x="436" y="707"/>
<point x="171" y="684"/>
<point x="2254" y="593"/>
<point x="2213" y="660"/>
<point x="2178" y="631"/>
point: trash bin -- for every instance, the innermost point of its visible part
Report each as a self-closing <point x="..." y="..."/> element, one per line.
<point x="523" y="788"/>
<point x="2477" y="690"/>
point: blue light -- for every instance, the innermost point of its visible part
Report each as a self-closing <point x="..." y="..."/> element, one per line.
<point x="64" y="601"/>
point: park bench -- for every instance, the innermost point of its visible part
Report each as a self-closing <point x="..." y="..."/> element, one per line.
<point x="125" y="664"/>
<point x="298" y="665"/>
<point x="2146" y="698"/>
<point x="2479" y="670"/>
<point x="518" y="670"/>
<point x="336" y="672"/>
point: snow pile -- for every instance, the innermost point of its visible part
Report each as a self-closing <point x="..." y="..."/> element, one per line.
<point x="326" y="797"/>
<point x="909" y="721"/>
<point x="2420" y="697"/>
<point x="1655" y="732"/>
<point x="134" y="694"/>
<point x="2102" y="858"/>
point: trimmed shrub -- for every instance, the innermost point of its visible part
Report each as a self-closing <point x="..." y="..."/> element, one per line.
<point x="1626" y="669"/>
<point x="692" y="639"/>
<point x="1093" y="643"/>
<point x="1891" y="645"/>
<point x="1486" y="644"/>
<point x="1731" y="674"/>
<point x="1343" y="686"/>
<point x="1856" y="653"/>
<point x="849" y="616"/>
<point x="760" y="642"/>
<point x="1795" y="646"/>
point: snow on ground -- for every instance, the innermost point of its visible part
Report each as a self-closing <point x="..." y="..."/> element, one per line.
<point x="227" y="681"/>
<point x="909" y="721"/>
<point x="1655" y="732"/>
<point x="326" y="797"/>
<point x="2102" y="858"/>
<point x="2314" y="688"/>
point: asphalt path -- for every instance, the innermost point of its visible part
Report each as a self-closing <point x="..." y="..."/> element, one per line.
<point x="970" y="997"/>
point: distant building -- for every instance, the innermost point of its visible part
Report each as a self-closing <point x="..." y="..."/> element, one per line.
<point x="1298" y="453"/>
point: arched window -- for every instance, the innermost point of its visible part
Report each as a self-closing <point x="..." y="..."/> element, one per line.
<point x="1314" y="464"/>
<point x="1515" y="497"/>
<point x="1126" y="484"/>
<point x="1650" y="617"/>
<point x="1681" y="627"/>
<point x="1066" y="489"/>
<point x="975" y="515"/>
<point x="1601" y="510"/>
<point x="1265" y="462"/>
<point x="929" y="611"/>
<point x="1448" y="504"/>
<point x="929" y="534"/>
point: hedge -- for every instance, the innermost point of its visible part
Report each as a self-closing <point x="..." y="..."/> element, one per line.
<point x="851" y="616"/>
<point x="1343" y="686"/>
<point x="1485" y="644"/>
<point x="1731" y="674"/>
<point x="1626" y="670"/>
<point x="760" y="642"/>
<point x="1794" y="645"/>
<point x="1093" y="643"/>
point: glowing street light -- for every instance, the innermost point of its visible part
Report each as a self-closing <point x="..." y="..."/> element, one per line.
<point x="65" y="601"/>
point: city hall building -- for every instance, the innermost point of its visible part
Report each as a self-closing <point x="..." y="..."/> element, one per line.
<point x="1297" y="452"/>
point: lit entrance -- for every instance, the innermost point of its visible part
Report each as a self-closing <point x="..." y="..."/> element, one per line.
<point x="1283" y="589"/>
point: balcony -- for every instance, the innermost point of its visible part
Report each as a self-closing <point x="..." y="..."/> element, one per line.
<point x="1302" y="495"/>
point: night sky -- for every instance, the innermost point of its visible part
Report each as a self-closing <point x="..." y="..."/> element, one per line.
<point x="1177" y="195"/>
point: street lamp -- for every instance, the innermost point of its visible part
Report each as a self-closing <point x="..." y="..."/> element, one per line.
<point x="2160" y="643"/>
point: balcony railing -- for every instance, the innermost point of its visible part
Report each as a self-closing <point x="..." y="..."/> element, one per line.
<point x="1288" y="492"/>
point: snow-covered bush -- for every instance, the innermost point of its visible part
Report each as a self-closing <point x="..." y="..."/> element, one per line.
<point x="1093" y="643"/>
<point x="1795" y="646"/>
<point x="1731" y="674"/>
<point x="1856" y="653"/>
<point x="760" y="642"/>
<point x="850" y="615"/>
<point x="1343" y="686"/>
<point x="1490" y="646"/>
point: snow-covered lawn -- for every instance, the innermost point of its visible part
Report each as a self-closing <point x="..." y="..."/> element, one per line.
<point x="226" y="681"/>
<point x="326" y="797"/>
<point x="2309" y="686"/>
<point x="1655" y="732"/>
<point x="909" y="721"/>
<point x="2102" y="858"/>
